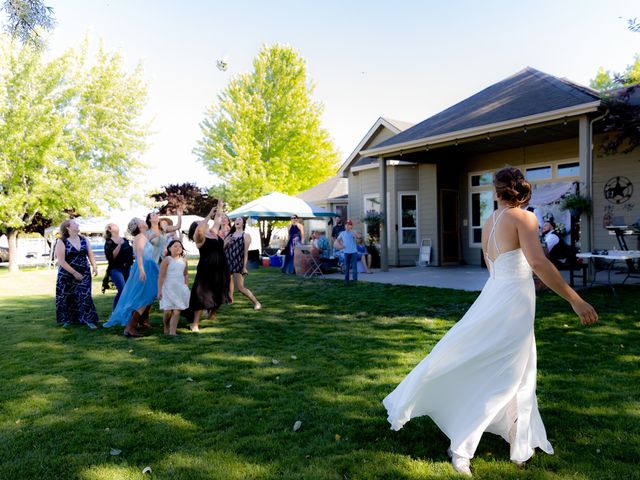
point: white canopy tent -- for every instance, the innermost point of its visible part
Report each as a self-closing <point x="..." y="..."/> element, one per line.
<point x="278" y="206"/>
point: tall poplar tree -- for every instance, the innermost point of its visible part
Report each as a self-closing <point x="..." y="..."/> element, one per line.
<point x="263" y="134"/>
<point x="70" y="134"/>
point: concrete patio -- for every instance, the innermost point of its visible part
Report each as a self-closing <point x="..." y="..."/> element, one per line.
<point x="467" y="277"/>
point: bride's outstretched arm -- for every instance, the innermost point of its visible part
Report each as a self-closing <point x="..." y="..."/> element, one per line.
<point x="548" y="273"/>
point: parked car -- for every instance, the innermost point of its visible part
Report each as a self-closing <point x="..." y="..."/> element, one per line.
<point x="97" y="247"/>
<point x="4" y="254"/>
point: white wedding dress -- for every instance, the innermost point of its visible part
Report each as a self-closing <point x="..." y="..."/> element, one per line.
<point x="481" y="376"/>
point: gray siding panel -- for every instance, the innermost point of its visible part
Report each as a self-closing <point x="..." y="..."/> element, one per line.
<point x="605" y="169"/>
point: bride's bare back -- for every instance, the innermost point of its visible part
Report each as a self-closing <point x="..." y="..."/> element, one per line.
<point x="517" y="228"/>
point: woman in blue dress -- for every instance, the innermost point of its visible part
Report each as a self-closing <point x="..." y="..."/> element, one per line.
<point x="296" y="234"/>
<point x="73" y="286"/>
<point x="141" y="288"/>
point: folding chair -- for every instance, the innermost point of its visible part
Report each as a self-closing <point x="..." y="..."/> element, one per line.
<point x="424" y="256"/>
<point x="313" y="264"/>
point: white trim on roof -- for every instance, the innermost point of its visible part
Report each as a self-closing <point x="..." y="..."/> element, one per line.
<point x="380" y="122"/>
<point x="484" y="129"/>
<point x="389" y="162"/>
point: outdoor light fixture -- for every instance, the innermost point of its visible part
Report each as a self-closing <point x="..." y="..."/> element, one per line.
<point x="525" y="129"/>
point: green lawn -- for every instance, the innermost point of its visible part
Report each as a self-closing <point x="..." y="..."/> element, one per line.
<point x="222" y="403"/>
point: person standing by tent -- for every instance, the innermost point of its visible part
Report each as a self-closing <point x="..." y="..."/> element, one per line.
<point x="296" y="234"/>
<point x="73" y="286"/>
<point x="337" y="229"/>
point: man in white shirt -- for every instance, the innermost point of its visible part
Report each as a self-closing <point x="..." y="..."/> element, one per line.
<point x="558" y="250"/>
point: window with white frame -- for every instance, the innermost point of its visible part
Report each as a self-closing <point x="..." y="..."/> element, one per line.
<point x="481" y="204"/>
<point x="408" y="219"/>
<point x="481" y="194"/>
<point x="571" y="169"/>
<point x="536" y="174"/>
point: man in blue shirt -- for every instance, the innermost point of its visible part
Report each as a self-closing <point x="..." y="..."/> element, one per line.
<point x="347" y="243"/>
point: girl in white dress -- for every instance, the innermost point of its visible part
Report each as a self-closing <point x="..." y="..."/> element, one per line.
<point x="481" y="376"/>
<point x="173" y="289"/>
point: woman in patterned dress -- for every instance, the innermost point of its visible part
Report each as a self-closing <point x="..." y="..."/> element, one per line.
<point x="236" y="248"/>
<point x="210" y="288"/>
<point x="73" y="287"/>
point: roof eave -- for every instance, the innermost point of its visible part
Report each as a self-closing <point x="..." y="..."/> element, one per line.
<point x="380" y="122"/>
<point x="530" y="120"/>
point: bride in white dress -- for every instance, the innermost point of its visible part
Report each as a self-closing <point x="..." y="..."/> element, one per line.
<point x="481" y="376"/>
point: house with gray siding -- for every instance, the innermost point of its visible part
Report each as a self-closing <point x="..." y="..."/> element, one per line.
<point x="364" y="187"/>
<point x="434" y="179"/>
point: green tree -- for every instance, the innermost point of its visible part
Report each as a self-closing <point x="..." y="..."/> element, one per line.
<point x="264" y="134"/>
<point x="622" y="121"/>
<point x="27" y="18"/>
<point x="631" y="75"/>
<point x="603" y="81"/>
<point x="69" y="134"/>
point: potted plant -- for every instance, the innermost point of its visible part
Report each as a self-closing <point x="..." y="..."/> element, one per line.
<point x="373" y="220"/>
<point x="576" y="204"/>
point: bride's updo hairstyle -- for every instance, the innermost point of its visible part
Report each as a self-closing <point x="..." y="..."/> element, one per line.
<point x="512" y="187"/>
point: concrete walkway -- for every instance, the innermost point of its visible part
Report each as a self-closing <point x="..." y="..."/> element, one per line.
<point x="467" y="277"/>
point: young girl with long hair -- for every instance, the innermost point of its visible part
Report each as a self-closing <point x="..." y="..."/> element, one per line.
<point x="173" y="286"/>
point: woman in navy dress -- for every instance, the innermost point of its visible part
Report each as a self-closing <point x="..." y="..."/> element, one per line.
<point x="141" y="288"/>
<point x="73" y="287"/>
<point x="210" y="288"/>
<point x="296" y="234"/>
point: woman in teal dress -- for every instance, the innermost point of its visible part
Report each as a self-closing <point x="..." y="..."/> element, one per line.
<point x="141" y="288"/>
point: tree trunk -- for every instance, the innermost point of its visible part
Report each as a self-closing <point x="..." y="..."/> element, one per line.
<point x="12" y="235"/>
<point x="266" y="228"/>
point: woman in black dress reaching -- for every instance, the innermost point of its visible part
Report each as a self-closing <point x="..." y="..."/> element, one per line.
<point x="210" y="288"/>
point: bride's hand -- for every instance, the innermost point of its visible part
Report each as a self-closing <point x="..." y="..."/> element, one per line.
<point x="586" y="312"/>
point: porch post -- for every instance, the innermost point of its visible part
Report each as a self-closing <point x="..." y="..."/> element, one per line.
<point x="384" y="249"/>
<point x="584" y="155"/>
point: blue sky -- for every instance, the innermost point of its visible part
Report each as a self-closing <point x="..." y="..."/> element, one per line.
<point x="405" y="60"/>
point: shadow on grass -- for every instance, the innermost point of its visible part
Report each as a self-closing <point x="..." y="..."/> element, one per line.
<point x="222" y="404"/>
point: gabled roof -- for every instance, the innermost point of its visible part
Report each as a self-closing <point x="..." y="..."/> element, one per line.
<point x="395" y="126"/>
<point x="327" y="190"/>
<point x="525" y="95"/>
